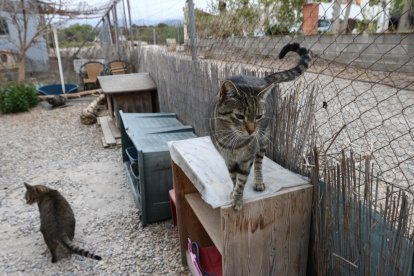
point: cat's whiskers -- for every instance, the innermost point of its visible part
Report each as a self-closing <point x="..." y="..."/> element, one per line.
<point x="236" y="140"/>
<point x="266" y="137"/>
<point x="226" y="137"/>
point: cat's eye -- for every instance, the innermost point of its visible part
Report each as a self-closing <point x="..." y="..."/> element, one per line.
<point x="239" y="116"/>
<point x="258" y="117"/>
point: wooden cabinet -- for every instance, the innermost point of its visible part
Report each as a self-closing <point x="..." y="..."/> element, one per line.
<point x="269" y="236"/>
<point x="131" y="93"/>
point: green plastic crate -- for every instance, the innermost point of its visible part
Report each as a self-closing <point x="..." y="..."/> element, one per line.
<point x="151" y="176"/>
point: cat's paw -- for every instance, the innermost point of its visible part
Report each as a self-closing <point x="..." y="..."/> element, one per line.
<point x="259" y="187"/>
<point x="237" y="204"/>
<point x="237" y="201"/>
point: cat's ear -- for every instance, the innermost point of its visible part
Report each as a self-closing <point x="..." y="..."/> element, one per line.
<point x="227" y="88"/>
<point x="266" y="91"/>
<point x="28" y="186"/>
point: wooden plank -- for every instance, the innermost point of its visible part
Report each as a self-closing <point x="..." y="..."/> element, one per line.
<point x="110" y="104"/>
<point x="109" y="139"/>
<point x="104" y="144"/>
<point x="300" y="204"/>
<point x="126" y="83"/>
<point x="269" y="236"/>
<point x="114" y="130"/>
<point x="207" y="170"/>
<point x="188" y="224"/>
<point x="209" y="218"/>
<point x="74" y="95"/>
<point x="140" y="102"/>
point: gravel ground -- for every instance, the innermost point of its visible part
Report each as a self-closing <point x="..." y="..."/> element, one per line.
<point x="52" y="147"/>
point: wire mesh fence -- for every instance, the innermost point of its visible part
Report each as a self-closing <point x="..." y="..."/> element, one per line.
<point x="366" y="82"/>
<point x="355" y="105"/>
<point x="364" y="104"/>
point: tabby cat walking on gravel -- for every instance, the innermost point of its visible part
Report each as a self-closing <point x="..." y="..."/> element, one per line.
<point x="57" y="222"/>
<point x="239" y="125"/>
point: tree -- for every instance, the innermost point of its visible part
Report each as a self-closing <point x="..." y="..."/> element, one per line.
<point x="335" y="16"/>
<point x="404" y="23"/>
<point x="32" y="20"/>
<point x="23" y="14"/>
<point x="227" y="18"/>
<point x="344" y="24"/>
<point x="75" y="34"/>
<point x="280" y="15"/>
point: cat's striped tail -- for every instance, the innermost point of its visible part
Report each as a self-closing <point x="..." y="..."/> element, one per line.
<point x="77" y="250"/>
<point x="296" y="71"/>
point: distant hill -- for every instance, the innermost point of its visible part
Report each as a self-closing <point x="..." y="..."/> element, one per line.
<point x="152" y="22"/>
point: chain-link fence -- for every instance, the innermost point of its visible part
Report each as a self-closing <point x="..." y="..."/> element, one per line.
<point x="363" y="104"/>
<point x="348" y="121"/>
<point x="363" y="71"/>
<point x="365" y="79"/>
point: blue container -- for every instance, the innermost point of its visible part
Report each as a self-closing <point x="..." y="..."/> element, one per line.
<point x="56" y="89"/>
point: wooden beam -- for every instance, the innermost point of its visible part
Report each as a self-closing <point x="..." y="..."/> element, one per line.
<point x="88" y="115"/>
<point x="74" y="95"/>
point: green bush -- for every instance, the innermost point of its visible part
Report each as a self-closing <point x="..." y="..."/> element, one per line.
<point x="17" y="97"/>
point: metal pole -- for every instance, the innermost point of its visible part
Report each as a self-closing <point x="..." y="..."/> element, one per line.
<point x="115" y="13"/>
<point x="62" y="81"/>
<point x="178" y="35"/>
<point x="130" y="26"/>
<point x="154" y="37"/>
<point x="192" y="29"/>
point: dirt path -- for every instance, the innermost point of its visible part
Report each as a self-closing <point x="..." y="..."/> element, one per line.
<point x="51" y="147"/>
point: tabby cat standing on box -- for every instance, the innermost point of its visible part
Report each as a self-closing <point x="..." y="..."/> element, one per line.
<point x="239" y="126"/>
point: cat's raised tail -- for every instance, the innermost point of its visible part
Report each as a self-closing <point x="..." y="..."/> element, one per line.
<point x="76" y="249"/>
<point x="293" y="73"/>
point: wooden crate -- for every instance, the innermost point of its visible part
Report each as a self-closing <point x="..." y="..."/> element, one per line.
<point x="130" y="93"/>
<point x="269" y="236"/>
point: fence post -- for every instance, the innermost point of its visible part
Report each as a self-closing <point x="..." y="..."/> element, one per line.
<point x="154" y="36"/>
<point x="192" y="29"/>
<point x="178" y="35"/>
<point x="115" y="13"/>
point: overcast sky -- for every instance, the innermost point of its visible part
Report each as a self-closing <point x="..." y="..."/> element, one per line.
<point x="162" y="9"/>
<point x="145" y="11"/>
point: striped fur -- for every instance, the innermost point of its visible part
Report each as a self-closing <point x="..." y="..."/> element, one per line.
<point x="57" y="221"/>
<point x="240" y="123"/>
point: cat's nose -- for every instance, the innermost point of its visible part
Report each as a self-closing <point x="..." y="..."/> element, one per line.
<point x="250" y="127"/>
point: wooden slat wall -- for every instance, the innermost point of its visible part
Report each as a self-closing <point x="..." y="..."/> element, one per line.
<point x="188" y="224"/>
<point x="274" y="221"/>
<point x="190" y="88"/>
<point x="185" y="87"/>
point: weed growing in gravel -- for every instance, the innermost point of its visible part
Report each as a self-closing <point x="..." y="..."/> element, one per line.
<point x="17" y="97"/>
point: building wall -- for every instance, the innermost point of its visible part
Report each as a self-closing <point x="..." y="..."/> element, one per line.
<point x="380" y="52"/>
<point x="37" y="59"/>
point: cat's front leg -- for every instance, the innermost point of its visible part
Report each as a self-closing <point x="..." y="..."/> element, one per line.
<point x="258" y="167"/>
<point x="237" y="194"/>
<point x="242" y="171"/>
